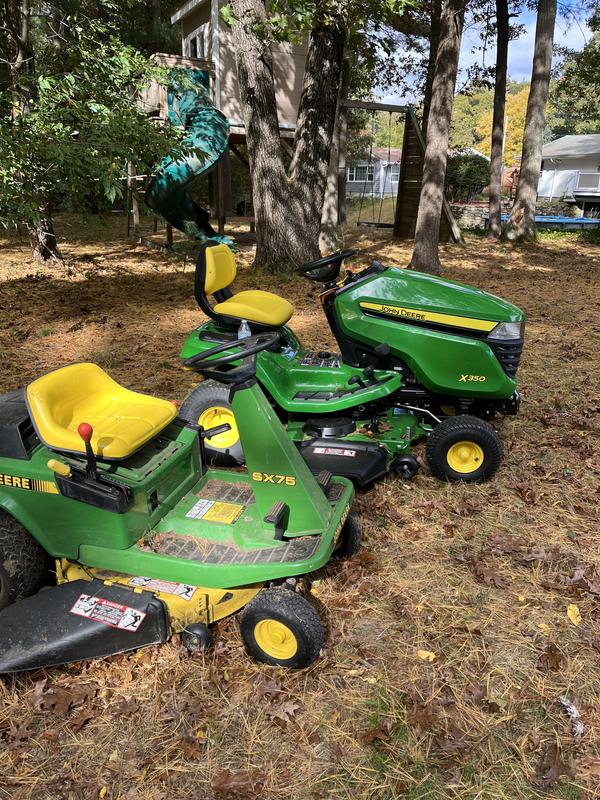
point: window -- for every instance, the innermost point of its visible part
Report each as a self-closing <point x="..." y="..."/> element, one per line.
<point x="196" y="43"/>
<point x="361" y="172"/>
<point x="395" y="173"/>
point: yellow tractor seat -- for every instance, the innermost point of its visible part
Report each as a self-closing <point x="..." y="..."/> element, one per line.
<point x="256" y="306"/>
<point x="215" y="272"/>
<point x="122" y="420"/>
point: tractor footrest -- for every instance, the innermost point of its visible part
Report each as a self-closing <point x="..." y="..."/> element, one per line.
<point x="204" y="551"/>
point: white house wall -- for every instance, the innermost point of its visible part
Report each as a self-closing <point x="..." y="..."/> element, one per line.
<point x="559" y="175"/>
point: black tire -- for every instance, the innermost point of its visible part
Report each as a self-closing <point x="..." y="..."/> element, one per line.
<point x="293" y="611"/>
<point x="483" y="458"/>
<point x="197" y="637"/>
<point x="24" y="565"/>
<point x="205" y="396"/>
<point x="351" y="537"/>
<point x="405" y="467"/>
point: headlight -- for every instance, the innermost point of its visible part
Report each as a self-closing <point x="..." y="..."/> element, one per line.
<point x="507" y="330"/>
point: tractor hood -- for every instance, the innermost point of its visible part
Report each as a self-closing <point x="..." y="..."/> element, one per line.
<point x="417" y="290"/>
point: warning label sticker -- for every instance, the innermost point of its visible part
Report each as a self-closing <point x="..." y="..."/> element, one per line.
<point x="214" y="511"/>
<point x="108" y="613"/>
<point x="333" y="451"/>
<point x="183" y="590"/>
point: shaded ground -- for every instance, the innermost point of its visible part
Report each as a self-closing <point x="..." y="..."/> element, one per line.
<point x="479" y="576"/>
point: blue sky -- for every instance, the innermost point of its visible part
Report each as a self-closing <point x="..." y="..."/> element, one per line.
<point x="520" y="52"/>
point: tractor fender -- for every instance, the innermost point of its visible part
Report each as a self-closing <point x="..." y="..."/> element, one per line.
<point x="18" y="511"/>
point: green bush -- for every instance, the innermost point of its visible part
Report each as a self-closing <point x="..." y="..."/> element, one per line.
<point x="467" y="174"/>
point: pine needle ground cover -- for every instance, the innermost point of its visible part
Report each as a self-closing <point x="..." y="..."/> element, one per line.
<point x="463" y="654"/>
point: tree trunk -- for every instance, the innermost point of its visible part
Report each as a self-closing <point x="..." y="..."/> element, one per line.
<point x="502" y="34"/>
<point x="330" y="238"/>
<point x="287" y="207"/>
<point x="521" y="224"/>
<point x="321" y="86"/>
<point x="434" y="41"/>
<point x="425" y="257"/>
<point x="44" y="247"/>
<point x="343" y="150"/>
<point x="18" y="27"/>
<point x="156" y="23"/>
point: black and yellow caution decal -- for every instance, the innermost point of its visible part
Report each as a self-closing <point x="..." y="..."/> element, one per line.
<point x="417" y="315"/>
<point x="31" y="484"/>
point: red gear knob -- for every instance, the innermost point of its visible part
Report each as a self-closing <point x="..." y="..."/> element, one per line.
<point x="85" y="430"/>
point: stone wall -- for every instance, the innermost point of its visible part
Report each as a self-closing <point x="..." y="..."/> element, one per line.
<point x="470" y="216"/>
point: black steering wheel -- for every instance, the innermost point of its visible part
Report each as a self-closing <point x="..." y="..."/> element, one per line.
<point x="325" y="269"/>
<point x="244" y="349"/>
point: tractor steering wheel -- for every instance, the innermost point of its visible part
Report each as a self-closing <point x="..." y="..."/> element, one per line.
<point x="244" y="349"/>
<point x="325" y="269"/>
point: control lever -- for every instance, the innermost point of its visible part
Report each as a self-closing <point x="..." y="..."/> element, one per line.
<point x="208" y="433"/>
<point x="357" y="379"/>
<point x="85" y="431"/>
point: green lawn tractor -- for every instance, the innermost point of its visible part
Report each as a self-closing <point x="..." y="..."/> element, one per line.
<point x="111" y="487"/>
<point x="420" y="356"/>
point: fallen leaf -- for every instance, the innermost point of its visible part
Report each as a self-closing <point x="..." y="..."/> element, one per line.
<point x="227" y="784"/>
<point x="191" y="746"/>
<point x="550" y="660"/>
<point x="545" y="629"/>
<point x="550" y="768"/>
<point x="487" y="576"/>
<point x="80" y="720"/>
<point x="574" y="614"/>
<point x="422" y="715"/>
<point x="378" y="735"/>
<point x="284" y="712"/>
<point x="533" y="739"/>
<point x="426" y="655"/>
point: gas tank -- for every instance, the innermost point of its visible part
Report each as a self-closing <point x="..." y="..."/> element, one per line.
<point x="439" y="328"/>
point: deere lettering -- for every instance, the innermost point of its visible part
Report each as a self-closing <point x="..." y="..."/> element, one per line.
<point x="32" y="484"/>
<point x="402" y="312"/>
<point x="15" y="481"/>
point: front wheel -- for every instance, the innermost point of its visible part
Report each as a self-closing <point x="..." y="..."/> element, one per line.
<point x="208" y="405"/>
<point x="350" y="537"/>
<point x="464" y="448"/>
<point x="282" y="628"/>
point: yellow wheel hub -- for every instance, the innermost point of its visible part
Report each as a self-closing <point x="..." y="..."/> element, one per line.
<point x="220" y="415"/>
<point x="465" y="457"/>
<point x="275" y="639"/>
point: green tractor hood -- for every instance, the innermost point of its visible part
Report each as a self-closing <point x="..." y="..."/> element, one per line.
<point x="435" y="294"/>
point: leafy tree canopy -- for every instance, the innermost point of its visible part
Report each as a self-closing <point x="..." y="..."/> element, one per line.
<point x="576" y="94"/>
<point x="74" y="123"/>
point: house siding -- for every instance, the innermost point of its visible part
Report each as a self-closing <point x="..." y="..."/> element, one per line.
<point x="560" y="174"/>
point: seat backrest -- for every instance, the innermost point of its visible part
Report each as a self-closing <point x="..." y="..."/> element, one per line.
<point x="220" y="268"/>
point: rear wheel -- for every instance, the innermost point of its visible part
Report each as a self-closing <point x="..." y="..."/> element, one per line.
<point x="208" y="405"/>
<point x="24" y="565"/>
<point x="282" y="628"/>
<point x="464" y="448"/>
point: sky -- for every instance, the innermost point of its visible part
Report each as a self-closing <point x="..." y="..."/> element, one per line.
<point x="569" y="34"/>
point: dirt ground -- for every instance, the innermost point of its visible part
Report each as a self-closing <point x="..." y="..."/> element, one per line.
<point x="499" y="583"/>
